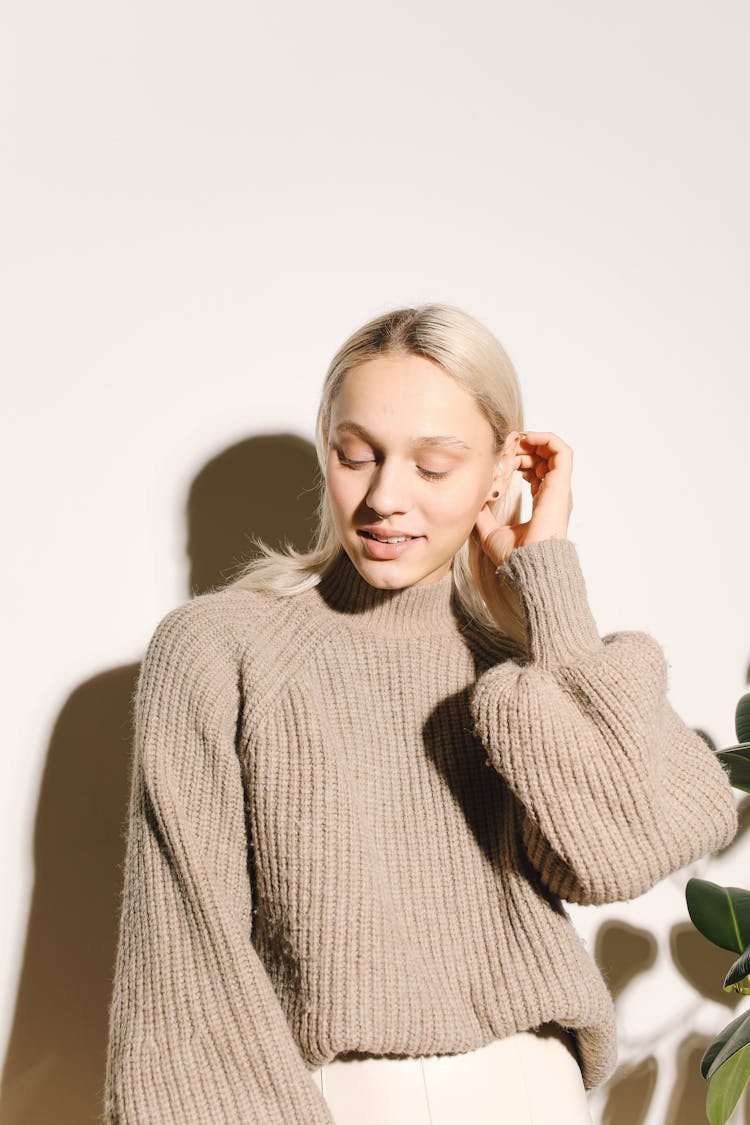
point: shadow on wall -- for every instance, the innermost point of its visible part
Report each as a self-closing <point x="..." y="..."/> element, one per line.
<point x="623" y="952"/>
<point x="53" y="1071"/>
<point x="266" y="486"/>
<point x="54" y="1066"/>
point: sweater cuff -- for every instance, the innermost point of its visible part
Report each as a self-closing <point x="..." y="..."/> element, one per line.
<point x="548" y="580"/>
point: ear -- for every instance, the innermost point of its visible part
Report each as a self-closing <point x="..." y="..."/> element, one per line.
<point x="498" y="483"/>
<point x="502" y="473"/>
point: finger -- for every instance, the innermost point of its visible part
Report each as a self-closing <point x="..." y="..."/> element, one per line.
<point x="545" y="441"/>
<point x="535" y="467"/>
<point x="539" y="437"/>
<point x="485" y="522"/>
<point x="496" y="540"/>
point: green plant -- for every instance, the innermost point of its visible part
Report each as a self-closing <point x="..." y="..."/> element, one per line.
<point x="722" y="914"/>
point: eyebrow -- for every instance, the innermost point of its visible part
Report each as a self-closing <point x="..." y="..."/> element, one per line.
<point x="418" y="442"/>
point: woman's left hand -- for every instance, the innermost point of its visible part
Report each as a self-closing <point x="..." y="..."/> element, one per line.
<point x="546" y="462"/>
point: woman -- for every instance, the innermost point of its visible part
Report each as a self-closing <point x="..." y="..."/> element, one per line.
<point x="366" y="776"/>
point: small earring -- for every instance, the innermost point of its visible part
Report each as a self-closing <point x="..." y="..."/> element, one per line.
<point x="495" y="494"/>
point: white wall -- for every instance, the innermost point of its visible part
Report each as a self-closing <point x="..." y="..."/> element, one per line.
<point x="199" y="202"/>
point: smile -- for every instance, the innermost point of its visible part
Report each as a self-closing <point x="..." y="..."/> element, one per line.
<point x="391" y="539"/>
<point x="387" y="548"/>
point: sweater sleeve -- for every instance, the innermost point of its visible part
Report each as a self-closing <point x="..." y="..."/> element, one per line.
<point x="615" y="791"/>
<point x="196" y="1031"/>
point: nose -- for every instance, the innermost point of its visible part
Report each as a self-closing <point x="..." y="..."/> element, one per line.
<point x="388" y="491"/>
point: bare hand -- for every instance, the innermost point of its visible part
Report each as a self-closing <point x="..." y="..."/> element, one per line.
<point x="546" y="462"/>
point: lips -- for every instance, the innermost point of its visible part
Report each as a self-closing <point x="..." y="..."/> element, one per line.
<point x="384" y="551"/>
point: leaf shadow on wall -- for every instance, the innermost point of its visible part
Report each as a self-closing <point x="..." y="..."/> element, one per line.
<point x="622" y="953"/>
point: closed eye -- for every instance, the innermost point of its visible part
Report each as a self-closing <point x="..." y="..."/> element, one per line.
<point x="429" y="473"/>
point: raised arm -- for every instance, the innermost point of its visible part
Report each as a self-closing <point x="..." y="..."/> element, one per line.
<point x="616" y="790"/>
<point x="196" y="1031"/>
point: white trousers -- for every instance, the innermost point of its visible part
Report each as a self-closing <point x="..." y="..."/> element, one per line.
<point x="528" y="1078"/>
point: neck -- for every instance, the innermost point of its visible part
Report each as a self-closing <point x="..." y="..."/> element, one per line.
<point x="408" y="611"/>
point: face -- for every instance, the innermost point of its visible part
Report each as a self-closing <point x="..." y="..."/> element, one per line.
<point x="386" y="471"/>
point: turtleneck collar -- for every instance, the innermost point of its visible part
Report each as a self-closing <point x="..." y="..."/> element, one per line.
<point x="409" y="611"/>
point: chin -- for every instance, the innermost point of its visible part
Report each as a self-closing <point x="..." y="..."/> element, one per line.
<point x="395" y="574"/>
<point x="385" y="576"/>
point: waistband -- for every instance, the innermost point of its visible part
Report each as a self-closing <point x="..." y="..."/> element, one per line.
<point x="497" y="1081"/>
<point x="550" y="1030"/>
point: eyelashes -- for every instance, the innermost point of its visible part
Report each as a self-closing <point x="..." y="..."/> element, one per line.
<point x="428" y="473"/>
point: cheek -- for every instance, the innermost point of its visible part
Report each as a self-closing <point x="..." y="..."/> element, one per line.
<point x="457" y="504"/>
<point x="342" y="493"/>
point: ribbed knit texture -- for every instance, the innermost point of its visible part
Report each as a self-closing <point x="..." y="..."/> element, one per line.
<point x="352" y="821"/>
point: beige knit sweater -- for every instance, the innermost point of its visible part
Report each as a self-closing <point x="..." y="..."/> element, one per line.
<point x="353" y="819"/>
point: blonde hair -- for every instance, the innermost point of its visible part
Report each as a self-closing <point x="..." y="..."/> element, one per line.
<point x="468" y="352"/>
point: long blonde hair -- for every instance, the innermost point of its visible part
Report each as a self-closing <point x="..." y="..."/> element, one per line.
<point x="467" y="351"/>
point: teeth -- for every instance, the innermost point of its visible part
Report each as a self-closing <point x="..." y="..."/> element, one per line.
<point x="395" y="539"/>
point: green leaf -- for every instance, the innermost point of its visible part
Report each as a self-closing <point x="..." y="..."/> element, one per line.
<point x="711" y="1052"/>
<point x="738" y="971"/>
<point x="742" y="718"/>
<point x="722" y="914"/>
<point x="726" y="1085"/>
<point x="736" y="759"/>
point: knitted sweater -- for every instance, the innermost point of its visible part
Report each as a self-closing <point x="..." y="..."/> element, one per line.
<point x="353" y="818"/>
